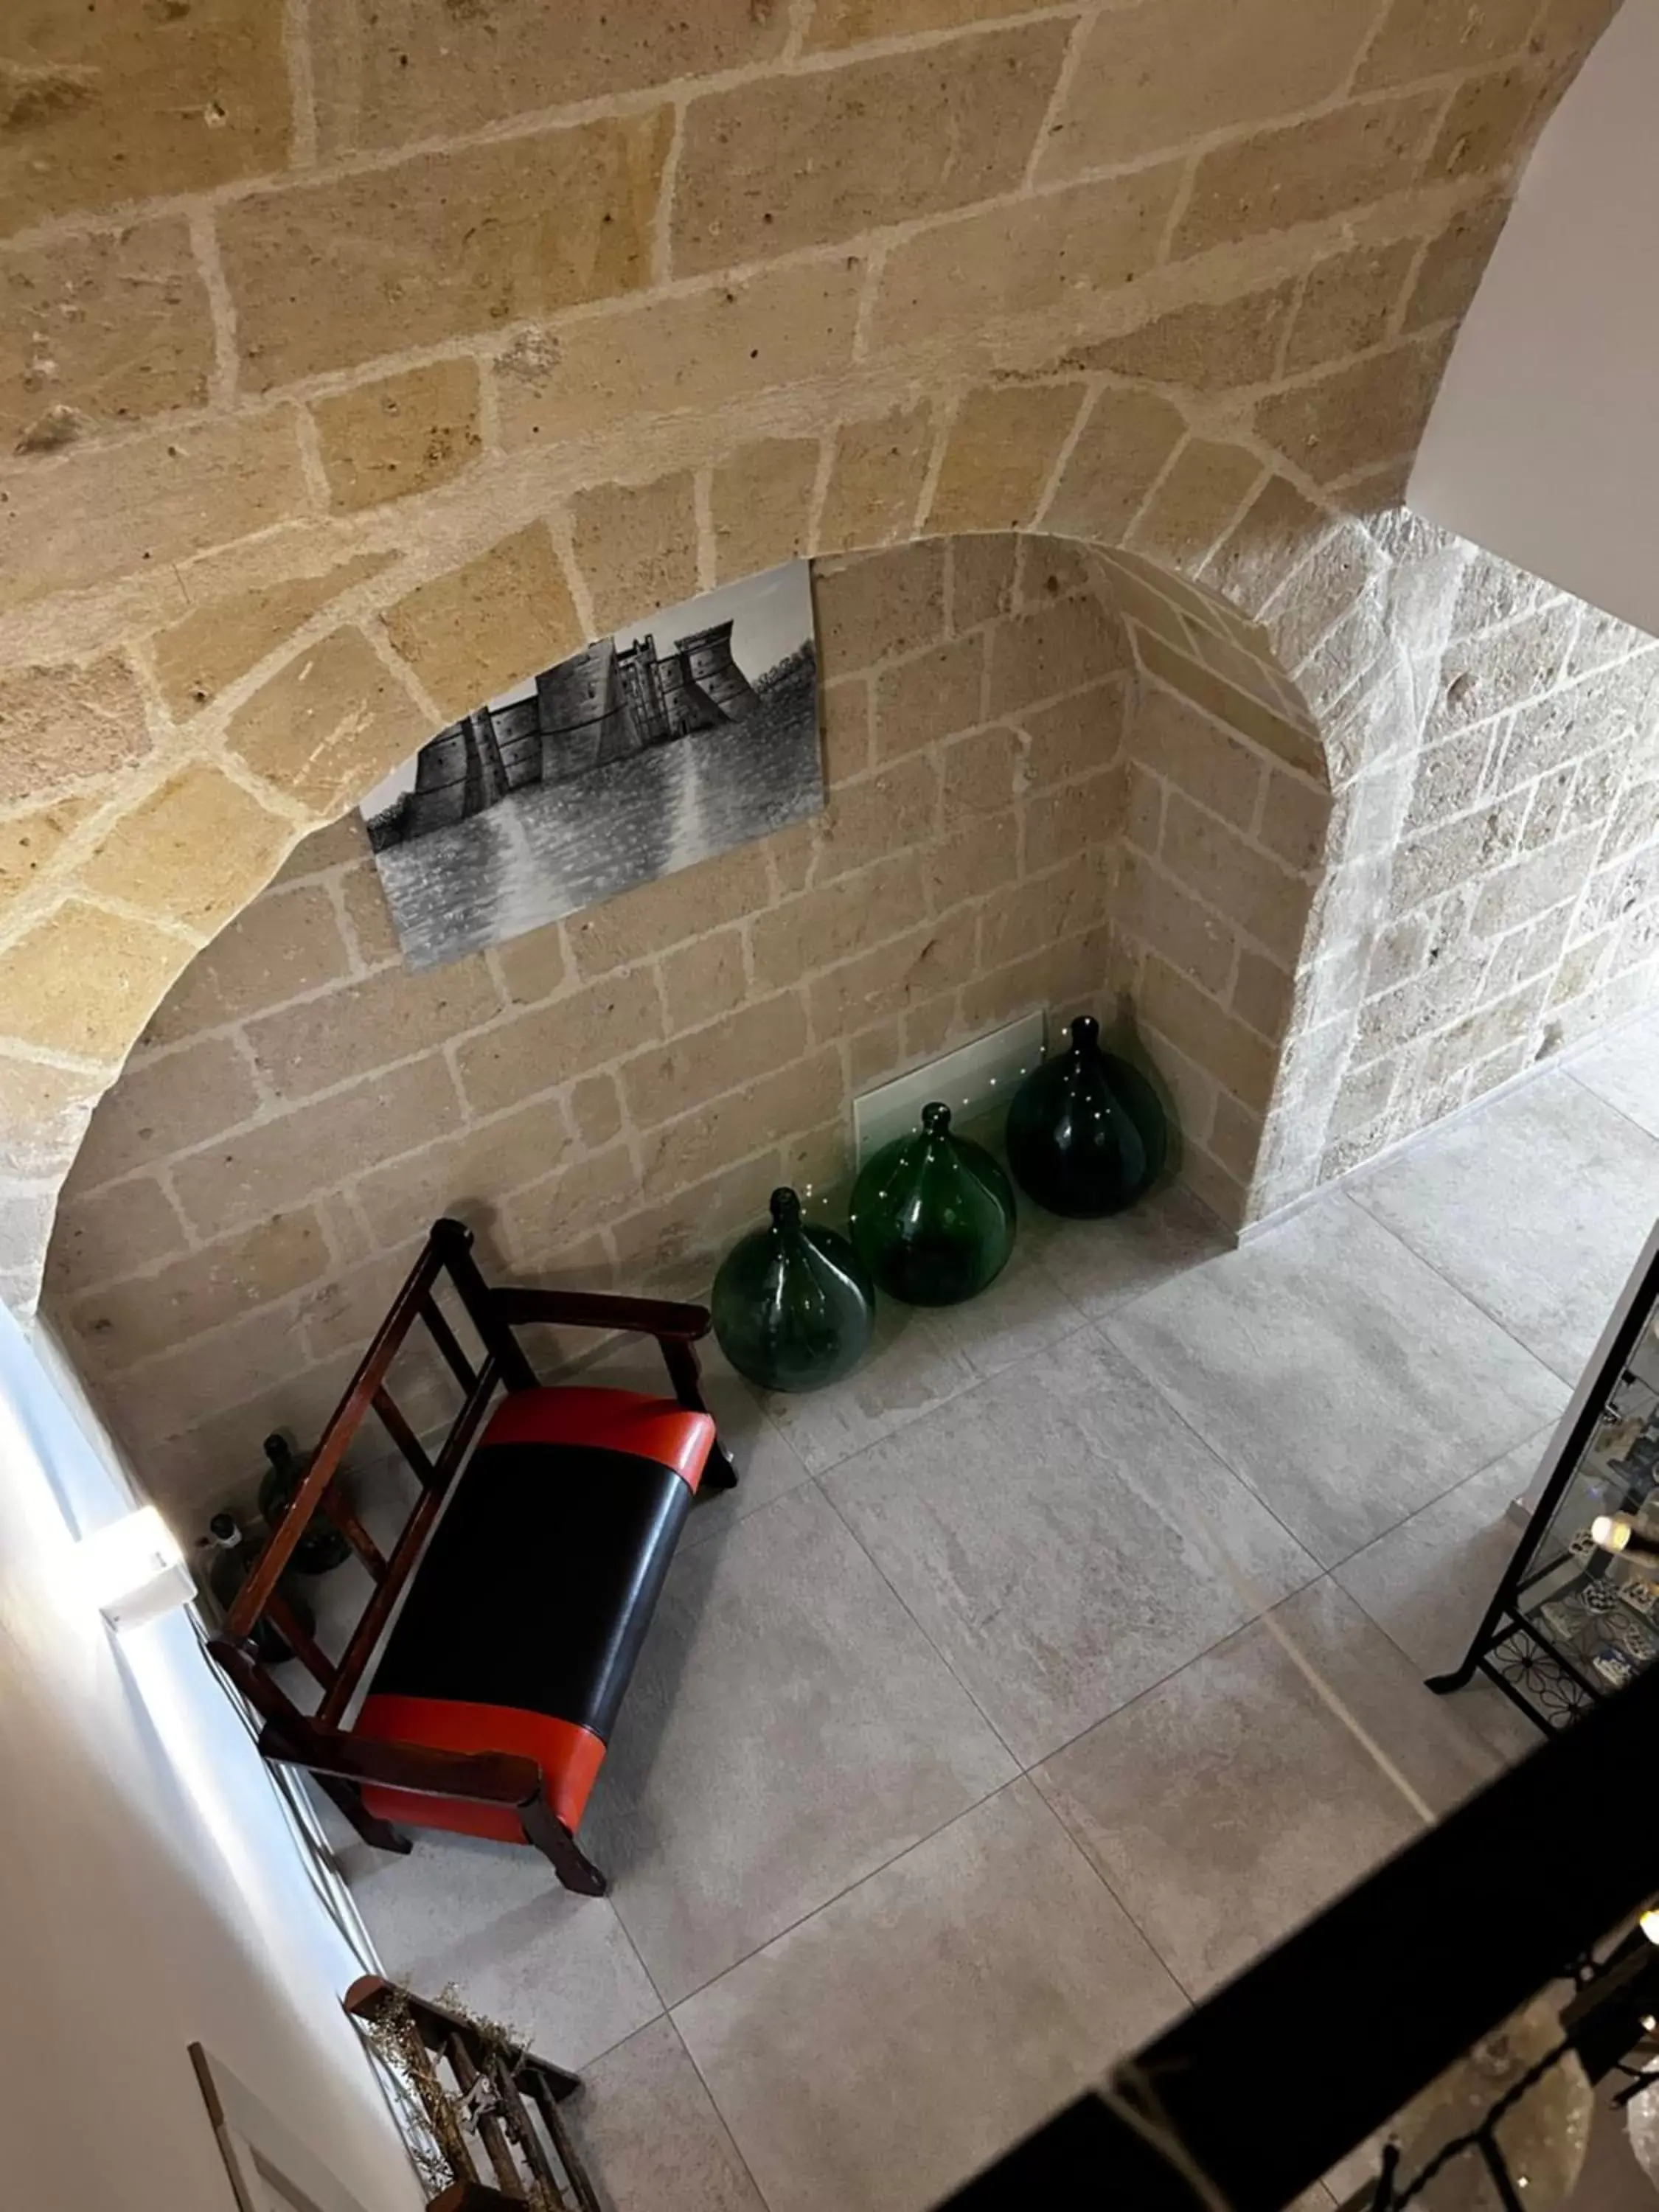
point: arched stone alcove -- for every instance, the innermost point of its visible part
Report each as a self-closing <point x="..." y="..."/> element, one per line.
<point x="382" y="386"/>
<point x="1025" y="812"/>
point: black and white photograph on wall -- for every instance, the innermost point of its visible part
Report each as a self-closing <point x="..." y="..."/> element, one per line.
<point x="648" y="752"/>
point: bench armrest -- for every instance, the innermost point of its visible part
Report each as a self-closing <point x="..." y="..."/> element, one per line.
<point x="484" y="1777"/>
<point x="658" y="1317"/>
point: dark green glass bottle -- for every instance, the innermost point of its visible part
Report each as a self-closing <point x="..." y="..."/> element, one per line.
<point x="932" y="1215"/>
<point x="322" y="1546"/>
<point x="1086" y="1134"/>
<point x="794" y="1308"/>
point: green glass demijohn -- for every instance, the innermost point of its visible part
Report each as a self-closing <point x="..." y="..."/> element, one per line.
<point x="794" y="1308"/>
<point x="322" y="1548"/>
<point x="1086" y="1134"/>
<point x="932" y="1215"/>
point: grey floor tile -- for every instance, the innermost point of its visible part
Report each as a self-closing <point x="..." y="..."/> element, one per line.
<point x="788" y="1728"/>
<point x="875" y="2057"/>
<point x="492" y="1919"/>
<point x="1065" y="1539"/>
<point x="1103" y="1265"/>
<point x="650" y="2135"/>
<point x="1340" y="1375"/>
<point x="1227" y="1805"/>
<point x="1623" y="1069"/>
<point x="913" y="1366"/>
<point x="1427" y="1584"/>
<point x="1024" y="1312"/>
<point x="1537" y="1207"/>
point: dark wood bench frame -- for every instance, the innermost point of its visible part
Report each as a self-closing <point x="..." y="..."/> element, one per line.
<point x="341" y="1762"/>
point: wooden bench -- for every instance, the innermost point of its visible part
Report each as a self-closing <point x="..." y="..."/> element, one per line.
<point x="489" y="1708"/>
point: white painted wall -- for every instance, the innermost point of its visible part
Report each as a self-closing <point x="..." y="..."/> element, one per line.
<point x="151" y="1892"/>
<point x="1543" y="444"/>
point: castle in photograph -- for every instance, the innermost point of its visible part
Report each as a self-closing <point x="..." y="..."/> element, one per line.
<point x="605" y="703"/>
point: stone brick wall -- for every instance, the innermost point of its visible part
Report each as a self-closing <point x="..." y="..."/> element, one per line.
<point x="1014" y="820"/>
<point x="356" y="359"/>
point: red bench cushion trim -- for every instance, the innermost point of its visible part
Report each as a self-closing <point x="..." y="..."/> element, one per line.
<point x="568" y="1755"/>
<point x="616" y="1420"/>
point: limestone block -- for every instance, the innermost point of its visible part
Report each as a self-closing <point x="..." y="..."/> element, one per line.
<point x="761" y="500"/>
<point x="132" y="1320"/>
<point x="932" y="696"/>
<point x="1453" y="264"/>
<point x="1243" y="883"/>
<point x="705" y="978"/>
<point x="980" y="772"/>
<point x="1044" y="909"/>
<point x="905" y="972"/>
<point x="1054" y="648"/>
<point x="1074" y="737"/>
<point x="1530" y="887"/>
<point x="636" y="546"/>
<point x="196" y="658"/>
<point x="94" y="101"/>
<point x="1347" y="303"/>
<point x="548" y="1226"/>
<point x="1235" y="1138"/>
<point x="846" y="712"/>
<point x="1195" y="503"/>
<point x="1203" y="348"/>
<point x="1263" y="993"/>
<point x="400" y="434"/>
<point x="848" y="22"/>
<point x="1017" y="259"/>
<point x="396" y="71"/>
<point x="1265" y="545"/>
<point x="112" y="326"/>
<point x="703" y="349"/>
<point x="1487" y="122"/>
<point x="1421" y="38"/>
<point x="833" y="153"/>
<point x="30" y="842"/>
<point x="821" y="927"/>
<point x="999" y="453"/>
<point x="164" y="1106"/>
<point x="1189" y="750"/>
<point x="1483" y="677"/>
<point x="1153" y="76"/>
<point x="82" y="981"/>
<point x="82" y="517"/>
<point x="1057" y="823"/>
<point x="724" y="1055"/>
<point x="1128" y="437"/>
<point x="1306" y="171"/>
<point x="872" y="1055"/>
<point x="1172" y="1007"/>
<point x="649" y="918"/>
<point x="876" y="475"/>
<point x="328" y="724"/>
<point x="537" y="1051"/>
<point x="285" y="943"/>
<point x="876" y="815"/>
<point x="759" y="1115"/>
<point x="698" y="1221"/>
<point x="467" y="1174"/>
<point x="498" y="619"/>
<point x="284" y="1161"/>
<point x="1296" y="819"/>
<point x="441" y="246"/>
<point x="193" y="851"/>
<point x="388" y="1016"/>
<point x="870" y="610"/>
<point x="1192" y="936"/>
<point x="43" y="1113"/>
<point x="112" y="1232"/>
<point x="982" y="572"/>
<point x="1356" y="416"/>
<point x="972" y="858"/>
<point x="596" y="1108"/>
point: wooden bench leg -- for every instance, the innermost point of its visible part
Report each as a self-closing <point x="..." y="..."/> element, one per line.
<point x="685" y="1374"/>
<point x="350" y="1799"/>
<point x="575" y="1870"/>
<point x="719" y="1473"/>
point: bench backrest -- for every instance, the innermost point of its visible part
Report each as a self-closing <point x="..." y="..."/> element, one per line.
<point x="447" y="1252"/>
